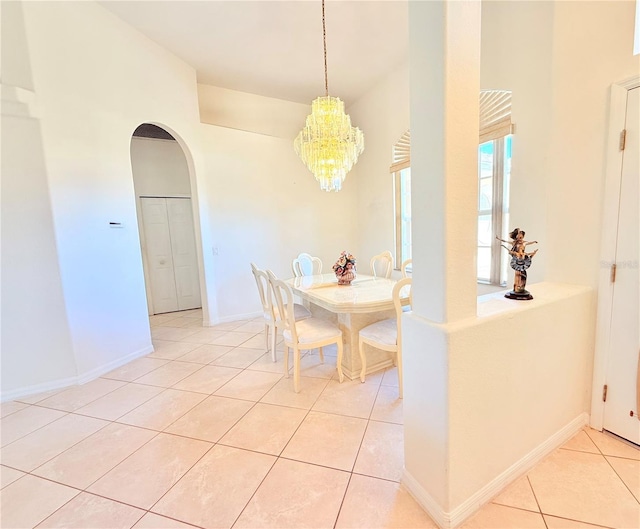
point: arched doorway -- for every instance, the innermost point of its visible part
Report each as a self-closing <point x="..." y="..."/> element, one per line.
<point x="165" y="219"/>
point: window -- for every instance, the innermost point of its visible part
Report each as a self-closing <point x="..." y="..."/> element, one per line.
<point x="401" y="171"/>
<point x="494" y="170"/>
<point x="402" y="183"/>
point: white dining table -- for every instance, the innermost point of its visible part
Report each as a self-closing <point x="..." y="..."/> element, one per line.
<point x="352" y="307"/>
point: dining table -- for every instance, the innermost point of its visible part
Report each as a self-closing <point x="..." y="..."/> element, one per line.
<point x="366" y="300"/>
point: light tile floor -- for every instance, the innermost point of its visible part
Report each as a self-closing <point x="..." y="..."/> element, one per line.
<point x="207" y="432"/>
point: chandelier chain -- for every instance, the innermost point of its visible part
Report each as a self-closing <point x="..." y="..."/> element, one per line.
<point x="328" y="145"/>
<point x="324" y="42"/>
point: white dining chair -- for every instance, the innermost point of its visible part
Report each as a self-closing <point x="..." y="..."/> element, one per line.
<point x="382" y="264"/>
<point x="307" y="334"/>
<point x="270" y="311"/>
<point x="306" y="265"/>
<point x="405" y="267"/>
<point x="387" y="334"/>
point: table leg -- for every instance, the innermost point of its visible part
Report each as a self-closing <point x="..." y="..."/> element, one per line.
<point x="350" y="325"/>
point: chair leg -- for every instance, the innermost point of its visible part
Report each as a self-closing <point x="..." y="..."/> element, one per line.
<point x="274" y="334"/>
<point x="286" y="361"/>
<point x="267" y="328"/>
<point x="296" y="369"/>
<point x="363" y="359"/>
<point x="399" y="362"/>
<point x="339" y="361"/>
<point x="321" y="354"/>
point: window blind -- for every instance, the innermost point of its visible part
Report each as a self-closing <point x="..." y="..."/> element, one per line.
<point x="495" y="114"/>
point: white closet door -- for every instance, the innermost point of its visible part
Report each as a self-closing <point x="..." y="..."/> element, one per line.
<point x="159" y="255"/>
<point x="183" y="245"/>
<point x="621" y="411"/>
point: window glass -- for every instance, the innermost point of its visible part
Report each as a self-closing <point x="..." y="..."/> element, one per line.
<point x="494" y="169"/>
<point x="405" y="213"/>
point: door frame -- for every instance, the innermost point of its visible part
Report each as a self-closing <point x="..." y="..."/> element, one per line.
<point x="195" y="211"/>
<point x="613" y="174"/>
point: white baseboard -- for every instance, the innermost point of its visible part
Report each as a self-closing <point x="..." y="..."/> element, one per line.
<point x="448" y="520"/>
<point x="235" y="317"/>
<point x="73" y="381"/>
<point x="118" y="362"/>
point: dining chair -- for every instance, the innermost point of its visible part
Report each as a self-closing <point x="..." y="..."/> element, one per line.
<point x="405" y="267"/>
<point x="272" y="320"/>
<point x="382" y="264"/>
<point x="387" y="334"/>
<point x="306" y="265"/>
<point x="307" y="334"/>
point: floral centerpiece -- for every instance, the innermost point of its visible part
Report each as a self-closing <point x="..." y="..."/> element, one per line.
<point x="345" y="268"/>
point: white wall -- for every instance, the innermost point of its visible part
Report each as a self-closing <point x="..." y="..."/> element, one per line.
<point x="36" y="343"/>
<point x="94" y="80"/>
<point x="588" y="57"/>
<point x="560" y="103"/>
<point x="159" y="168"/>
<point x="251" y="112"/>
<point x="265" y="207"/>
<point x="383" y="116"/>
<point x="510" y="62"/>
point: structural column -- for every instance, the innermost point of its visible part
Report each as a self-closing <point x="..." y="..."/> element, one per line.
<point x="445" y="83"/>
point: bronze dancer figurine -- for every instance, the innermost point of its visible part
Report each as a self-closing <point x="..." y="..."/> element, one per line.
<point x="520" y="261"/>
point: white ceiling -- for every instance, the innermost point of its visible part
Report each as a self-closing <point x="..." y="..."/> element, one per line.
<point x="274" y="48"/>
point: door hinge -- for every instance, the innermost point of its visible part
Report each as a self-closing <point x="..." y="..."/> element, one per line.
<point x="604" y="393"/>
<point x="623" y="139"/>
<point x="613" y="272"/>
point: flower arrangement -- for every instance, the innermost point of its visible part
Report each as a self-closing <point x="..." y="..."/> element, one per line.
<point x="345" y="264"/>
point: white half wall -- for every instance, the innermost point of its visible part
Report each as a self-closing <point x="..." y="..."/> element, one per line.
<point x="483" y="394"/>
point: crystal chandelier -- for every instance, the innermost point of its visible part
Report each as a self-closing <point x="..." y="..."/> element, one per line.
<point x="328" y="145"/>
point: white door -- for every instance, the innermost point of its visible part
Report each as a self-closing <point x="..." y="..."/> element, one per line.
<point x="622" y="377"/>
<point x="183" y="245"/>
<point x="170" y="254"/>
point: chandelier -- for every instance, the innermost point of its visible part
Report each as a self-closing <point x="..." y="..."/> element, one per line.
<point x="328" y="145"/>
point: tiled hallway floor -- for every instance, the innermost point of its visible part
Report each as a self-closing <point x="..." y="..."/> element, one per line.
<point x="207" y="432"/>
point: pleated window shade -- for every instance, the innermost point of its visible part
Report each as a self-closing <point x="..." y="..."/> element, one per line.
<point x="495" y="122"/>
<point x="495" y="114"/>
<point x="401" y="153"/>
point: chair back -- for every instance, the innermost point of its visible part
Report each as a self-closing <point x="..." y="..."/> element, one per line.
<point x="264" y="289"/>
<point x="283" y="296"/>
<point x="382" y="264"/>
<point x="306" y="265"/>
<point x="405" y="268"/>
<point x="401" y="291"/>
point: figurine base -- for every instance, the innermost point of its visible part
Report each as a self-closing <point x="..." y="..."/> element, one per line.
<point x="525" y="294"/>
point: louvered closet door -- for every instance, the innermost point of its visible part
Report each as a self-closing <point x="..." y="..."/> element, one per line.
<point x="171" y="254"/>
